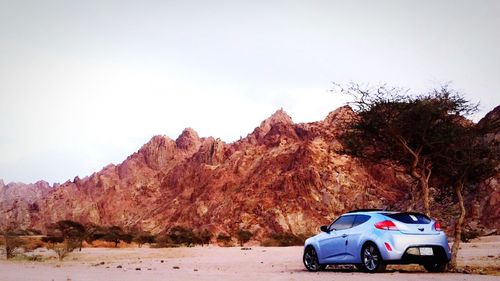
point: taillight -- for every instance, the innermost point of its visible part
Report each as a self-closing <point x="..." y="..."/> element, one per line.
<point x="386" y="225"/>
<point x="437" y="226"/>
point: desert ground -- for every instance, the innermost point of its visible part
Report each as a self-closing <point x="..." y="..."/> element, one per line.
<point x="480" y="258"/>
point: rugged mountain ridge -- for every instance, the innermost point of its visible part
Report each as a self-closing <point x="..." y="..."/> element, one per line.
<point x="282" y="177"/>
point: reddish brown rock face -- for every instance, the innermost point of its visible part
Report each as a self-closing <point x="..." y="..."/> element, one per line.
<point x="281" y="177"/>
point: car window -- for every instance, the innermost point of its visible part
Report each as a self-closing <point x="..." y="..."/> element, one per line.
<point x="360" y="219"/>
<point x="344" y="222"/>
<point x="410" y="218"/>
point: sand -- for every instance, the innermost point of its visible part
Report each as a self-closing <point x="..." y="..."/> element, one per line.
<point x="216" y="263"/>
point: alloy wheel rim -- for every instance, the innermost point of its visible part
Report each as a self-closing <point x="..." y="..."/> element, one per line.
<point x="371" y="258"/>
<point x="311" y="260"/>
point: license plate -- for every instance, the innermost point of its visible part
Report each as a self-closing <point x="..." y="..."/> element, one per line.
<point x="426" y="251"/>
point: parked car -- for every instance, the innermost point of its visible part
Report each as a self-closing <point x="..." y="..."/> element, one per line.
<point x="371" y="239"/>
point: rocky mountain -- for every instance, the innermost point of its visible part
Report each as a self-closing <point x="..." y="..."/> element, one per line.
<point x="489" y="208"/>
<point x="282" y="177"/>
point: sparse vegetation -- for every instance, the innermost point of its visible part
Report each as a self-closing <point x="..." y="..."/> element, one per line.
<point x="12" y="243"/>
<point x="426" y="135"/>
<point x="204" y="236"/>
<point x="243" y="236"/>
<point x="116" y="234"/>
<point x="224" y="239"/>
<point x="182" y="235"/>
<point x="284" y="239"/>
<point x="144" y="238"/>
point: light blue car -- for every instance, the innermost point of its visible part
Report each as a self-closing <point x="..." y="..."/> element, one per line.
<point x="371" y="239"/>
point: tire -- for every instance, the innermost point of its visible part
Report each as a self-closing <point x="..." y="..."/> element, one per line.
<point x="371" y="260"/>
<point x="311" y="261"/>
<point x="435" y="267"/>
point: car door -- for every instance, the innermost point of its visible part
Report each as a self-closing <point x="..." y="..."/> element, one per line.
<point x="333" y="243"/>
<point x="353" y="247"/>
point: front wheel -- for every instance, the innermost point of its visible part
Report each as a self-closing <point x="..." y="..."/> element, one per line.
<point x="435" y="267"/>
<point x="311" y="261"/>
<point x="371" y="259"/>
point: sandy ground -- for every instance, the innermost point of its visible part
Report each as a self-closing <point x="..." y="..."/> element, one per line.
<point x="214" y="263"/>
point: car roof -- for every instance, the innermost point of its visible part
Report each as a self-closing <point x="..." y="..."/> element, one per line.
<point x="370" y="211"/>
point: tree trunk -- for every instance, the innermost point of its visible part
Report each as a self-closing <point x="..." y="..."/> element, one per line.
<point x="458" y="226"/>
<point x="424" y="185"/>
<point x="425" y="194"/>
<point x="421" y="171"/>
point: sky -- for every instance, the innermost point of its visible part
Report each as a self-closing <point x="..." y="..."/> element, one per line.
<point x="86" y="83"/>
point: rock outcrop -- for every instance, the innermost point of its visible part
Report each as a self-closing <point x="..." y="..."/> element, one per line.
<point x="282" y="177"/>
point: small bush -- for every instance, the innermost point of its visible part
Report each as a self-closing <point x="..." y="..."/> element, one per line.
<point x="143" y="238"/>
<point x="224" y="240"/>
<point x="283" y="240"/>
<point x="203" y="237"/>
<point x="12" y="243"/>
<point x="182" y="235"/>
<point x="243" y="236"/>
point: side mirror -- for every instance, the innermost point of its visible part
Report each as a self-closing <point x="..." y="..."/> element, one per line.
<point x="324" y="228"/>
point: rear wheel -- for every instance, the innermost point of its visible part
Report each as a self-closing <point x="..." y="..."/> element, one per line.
<point x="311" y="261"/>
<point x="371" y="259"/>
<point x="435" y="267"/>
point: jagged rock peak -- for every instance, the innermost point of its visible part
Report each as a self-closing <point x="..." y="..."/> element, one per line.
<point x="158" y="140"/>
<point x="491" y="118"/>
<point x="40" y="184"/>
<point x="344" y="113"/>
<point x="187" y="138"/>
<point x="280" y="116"/>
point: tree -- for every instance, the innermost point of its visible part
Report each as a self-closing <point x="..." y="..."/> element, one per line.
<point x="143" y="238"/>
<point x="116" y="234"/>
<point x="67" y="246"/>
<point x="243" y="236"/>
<point x="392" y="126"/>
<point x="52" y="240"/>
<point x="182" y="235"/>
<point x="204" y="236"/>
<point x="71" y="230"/>
<point x="223" y="238"/>
<point x="465" y="160"/>
<point x="12" y="242"/>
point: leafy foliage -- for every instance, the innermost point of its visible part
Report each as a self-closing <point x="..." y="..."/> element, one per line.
<point x="410" y="131"/>
<point x="243" y="236"/>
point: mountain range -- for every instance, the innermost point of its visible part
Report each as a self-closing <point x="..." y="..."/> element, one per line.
<point x="282" y="177"/>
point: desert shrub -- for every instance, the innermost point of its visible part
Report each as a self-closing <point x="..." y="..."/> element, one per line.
<point x="52" y="239"/>
<point x="12" y="242"/>
<point x="243" y="236"/>
<point x="143" y="238"/>
<point x="283" y="239"/>
<point x="204" y="236"/>
<point x="182" y="235"/>
<point x="224" y="239"/>
<point x="67" y="246"/>
<point x="164" y="241"/>
<point x="115" y="234"/>
<point x="68" y="230"/>
<point x="469" y="234"/>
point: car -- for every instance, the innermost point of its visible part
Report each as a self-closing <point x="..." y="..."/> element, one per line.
<point x="371" y="239"/>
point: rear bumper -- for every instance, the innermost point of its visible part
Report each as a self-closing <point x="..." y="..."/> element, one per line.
<point x="400" y="243"/>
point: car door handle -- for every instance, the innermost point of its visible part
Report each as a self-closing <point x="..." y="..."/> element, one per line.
<point x="344" y="235"/>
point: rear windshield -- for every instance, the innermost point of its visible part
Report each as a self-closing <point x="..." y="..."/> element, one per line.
<point x="410" y="218"/>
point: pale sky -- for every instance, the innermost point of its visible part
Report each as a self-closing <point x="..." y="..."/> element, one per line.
<point x="86" y="83"/>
